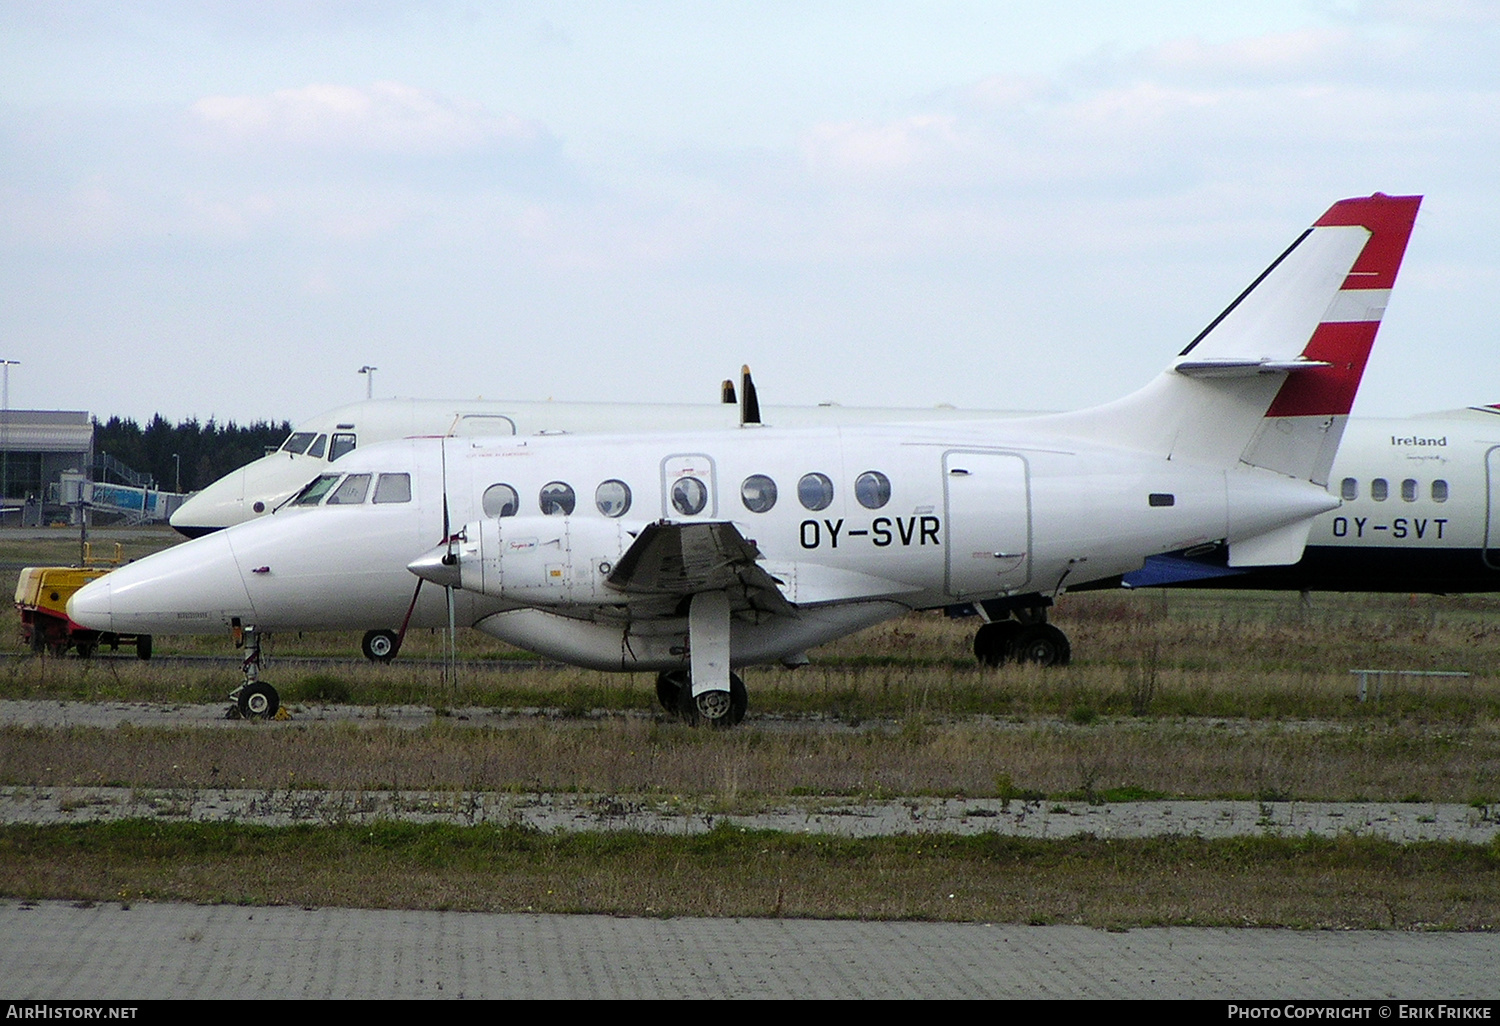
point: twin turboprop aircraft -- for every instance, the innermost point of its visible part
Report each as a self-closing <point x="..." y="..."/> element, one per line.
<point x="693" y="555"/>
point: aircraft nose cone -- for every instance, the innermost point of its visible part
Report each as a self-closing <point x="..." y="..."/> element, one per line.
<point x="92" y="606"/>
<point x="434" y="566"/>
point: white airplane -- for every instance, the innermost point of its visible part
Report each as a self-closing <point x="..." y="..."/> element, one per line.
<point x="257" y="488"/>
<point x="709" y="551"/>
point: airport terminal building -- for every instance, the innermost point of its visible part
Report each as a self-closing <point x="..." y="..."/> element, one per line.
<point x="37" y="447"/>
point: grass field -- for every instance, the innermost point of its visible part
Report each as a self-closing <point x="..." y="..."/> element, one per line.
<point x="1180" y="694"/>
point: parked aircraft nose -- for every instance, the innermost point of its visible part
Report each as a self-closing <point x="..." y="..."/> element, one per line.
<point x="192" y="588"/>
<point x="437" y="566"/>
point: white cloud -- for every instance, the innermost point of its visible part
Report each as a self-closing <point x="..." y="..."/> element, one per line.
<point x="386" y="117"/>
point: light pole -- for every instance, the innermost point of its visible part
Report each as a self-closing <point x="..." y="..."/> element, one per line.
<point x="369" y="373"/>
<point x="177" y="463"/>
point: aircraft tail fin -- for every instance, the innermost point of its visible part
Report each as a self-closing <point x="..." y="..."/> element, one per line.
<point x="1270" y="381"/>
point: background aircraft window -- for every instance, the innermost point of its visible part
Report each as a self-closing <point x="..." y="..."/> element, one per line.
<point x="351" y="492"/>
<point x="689" y="496"/>
<point x="314" y="492"/>
<point x="1349" y="489"/>
<point x="316" y="449"/>
<point x="758" y="493"/>
<point x="557" y="499"/>
<point x="1440" y="491"/>
<point x="501" y="500"/>
<point x="872" y="489"/>
<point x="1379" y="489"/>
<point x="613" y="498"/>
<point x="298" y="443"/>
<point x="1409" y="490"/>
<point x="815" y="491"/>
<point x="393" y="488"/>
<point x="343" y="445"/>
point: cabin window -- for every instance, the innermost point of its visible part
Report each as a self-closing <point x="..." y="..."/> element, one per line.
<point x="872" y="489"/>
<point x="1440" y="491"/>
<point x="613" y="498"/>
<point x="758" y="493"/>
<point x="351" y="492"/>
<point x="393" y="488"/>
<point x="1380" y="489"/>
<point x="689" y="496"/>
<point x="316" y="449"/>
<point x="343" y="445"/>
<point x="1349" y="489"/>
<point x="298" y="443"/>
<point x="501" y="500"/>
<point x="314" y="492"/>
<point x="1409" y="490"/>
<point x="557" y="499"/>
<point x="1161" y="499"/>
<point x="815" y="491"/>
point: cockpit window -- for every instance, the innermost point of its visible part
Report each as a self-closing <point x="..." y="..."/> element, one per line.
<point x="343" y="445"/>
<point x="393" y="488"/>
<point x="298" y="443"/>
<point x="351" y="492"/>
<point x="314" y="492"/>
<point x="316" y="449"/>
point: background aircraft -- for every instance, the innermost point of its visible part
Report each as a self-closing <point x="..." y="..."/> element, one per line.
<point x="1232" y="444"/>
<point x="259" y="487"/>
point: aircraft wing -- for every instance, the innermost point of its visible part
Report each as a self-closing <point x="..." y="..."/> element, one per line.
<point x="670" y="559"/>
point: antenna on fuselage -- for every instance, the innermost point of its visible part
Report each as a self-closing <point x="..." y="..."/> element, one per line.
<point x="749" y="402"/>
<point x="726" y="393"/>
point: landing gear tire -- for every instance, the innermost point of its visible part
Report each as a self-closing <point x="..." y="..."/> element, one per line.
<point x="1042" y="645"/>
<point x="669" y="687"/>
<point x="379" y="646"/>
<point x="994" y="644"/>
<point x="85" y="650"/>
<point x="143" y="647"/>
<point x="717" y="709"/>
<point x="257" y="700"/>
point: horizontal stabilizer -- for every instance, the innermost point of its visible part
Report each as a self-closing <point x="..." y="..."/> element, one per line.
<point x="1242" y="368"/>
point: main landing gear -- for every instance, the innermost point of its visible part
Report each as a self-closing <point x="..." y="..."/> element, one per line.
<point x="1028" y="638"/>
<point x="254" y="699"/>
<point x="717" y="709"/>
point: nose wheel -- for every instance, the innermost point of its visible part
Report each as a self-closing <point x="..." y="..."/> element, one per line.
<point x="254" y="699"/>
<point x="257" y="701"/>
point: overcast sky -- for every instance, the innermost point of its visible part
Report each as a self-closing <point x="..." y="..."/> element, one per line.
<point x="224" y="209"/>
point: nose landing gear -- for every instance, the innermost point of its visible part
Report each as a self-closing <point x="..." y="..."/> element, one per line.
<point x="254" y="699"/>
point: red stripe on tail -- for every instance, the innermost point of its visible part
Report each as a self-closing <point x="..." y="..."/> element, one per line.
<point x="1389" y="219"/>
<point x="1328" y="391"/>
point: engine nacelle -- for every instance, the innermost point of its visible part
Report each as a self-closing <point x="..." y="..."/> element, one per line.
<point x="541" y="560"/>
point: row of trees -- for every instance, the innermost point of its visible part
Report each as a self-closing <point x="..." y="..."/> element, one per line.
<point x="207" y="451"/>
